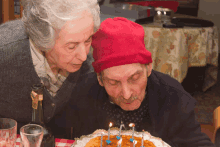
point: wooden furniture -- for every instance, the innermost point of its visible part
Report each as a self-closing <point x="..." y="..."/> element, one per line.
<point x="216" y="123"/>
<point x="8" y="10"/>
<point x="208" y="130"/>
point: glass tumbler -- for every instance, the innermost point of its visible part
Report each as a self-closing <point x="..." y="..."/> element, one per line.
<point x="31" y="135"/>
<point x="8" y="132"/>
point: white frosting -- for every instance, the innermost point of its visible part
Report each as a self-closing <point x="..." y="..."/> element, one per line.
<point x="82" y="141"/>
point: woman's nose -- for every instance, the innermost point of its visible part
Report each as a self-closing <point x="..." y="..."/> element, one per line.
<point x="82" y="53"/>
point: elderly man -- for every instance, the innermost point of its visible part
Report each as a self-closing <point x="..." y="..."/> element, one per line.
<point x="50" y="44"/>
<point x="127" y="89"/>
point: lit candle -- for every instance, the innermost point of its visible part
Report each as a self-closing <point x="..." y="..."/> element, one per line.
<point x="134" y="143"/>
<point x="142" y="141"/>
<point x="101" y="139"/>
<point x="119" y="143"/>
<point x="108" y="141"/>
<point x="132" y="125"/>
<point x="110" y="125"/>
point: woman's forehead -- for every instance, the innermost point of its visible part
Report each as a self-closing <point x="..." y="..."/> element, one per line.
<point x="77" y="30"/>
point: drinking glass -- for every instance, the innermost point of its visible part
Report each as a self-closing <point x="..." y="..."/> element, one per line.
<point x="8" y="132"/>
<point x="31" y="135"/>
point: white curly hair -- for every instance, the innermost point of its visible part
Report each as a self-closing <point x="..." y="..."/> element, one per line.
<point x="43" y="17"/>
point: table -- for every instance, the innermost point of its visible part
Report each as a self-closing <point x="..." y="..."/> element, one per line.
<point x="59" y="142"/>
<point x="175" y="50"/>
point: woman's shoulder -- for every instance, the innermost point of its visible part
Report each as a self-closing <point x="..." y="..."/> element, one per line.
<point x="11" y="32"/>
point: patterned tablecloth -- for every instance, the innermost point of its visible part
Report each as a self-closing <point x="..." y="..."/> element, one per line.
<point x="175" y="50"/>
<point x="59" y="142"/>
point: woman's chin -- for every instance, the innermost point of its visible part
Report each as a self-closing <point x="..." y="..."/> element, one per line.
<point x="73" y="69"/>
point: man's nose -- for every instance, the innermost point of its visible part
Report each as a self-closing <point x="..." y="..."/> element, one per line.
<point x="126" y="91"/>
<point x="81" y="52"/>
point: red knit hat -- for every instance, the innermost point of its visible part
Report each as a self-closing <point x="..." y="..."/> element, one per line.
<point x="119" y="41"/>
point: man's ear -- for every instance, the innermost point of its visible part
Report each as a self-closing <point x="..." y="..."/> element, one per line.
<point x="99" y="79"/>
<point x="149" y="69"/>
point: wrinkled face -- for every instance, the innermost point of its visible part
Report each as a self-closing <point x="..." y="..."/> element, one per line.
<point x="125" y="82"/>
<point x="72" y="44"/>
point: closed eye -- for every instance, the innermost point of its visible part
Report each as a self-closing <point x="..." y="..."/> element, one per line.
<point x="89" y="40"/>
<point x="135" y="77"/>
<point x="112" y="82"/>
<point x="72" y="47"/>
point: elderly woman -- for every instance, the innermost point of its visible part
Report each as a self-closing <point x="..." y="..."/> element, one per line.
<point x="50" y="44"/>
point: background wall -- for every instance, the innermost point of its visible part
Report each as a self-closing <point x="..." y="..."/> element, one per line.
<point x="210" y="10"/>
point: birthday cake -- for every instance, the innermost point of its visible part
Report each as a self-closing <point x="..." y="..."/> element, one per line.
<point x="94" y="140"/>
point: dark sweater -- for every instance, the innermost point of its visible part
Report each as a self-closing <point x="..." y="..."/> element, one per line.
<point x="18" y="74"/>
<point x="171" y="111"/>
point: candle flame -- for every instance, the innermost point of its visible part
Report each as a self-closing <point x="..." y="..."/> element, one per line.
<point x="110" y="124"/>
<point x="131" y="125"/>
<point x="135" y="142"/>
<point x="119" y="142"/>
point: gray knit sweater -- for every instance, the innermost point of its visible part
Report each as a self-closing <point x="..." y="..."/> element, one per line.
<point x="17" y="75"/>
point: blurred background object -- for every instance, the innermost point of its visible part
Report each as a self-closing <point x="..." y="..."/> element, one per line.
<point x="10" y="10"/>
<point x="17" y="7"/>
<point x="209" y="10"/>
<point x="0" y="11"/>
<point x="188" y="7"/>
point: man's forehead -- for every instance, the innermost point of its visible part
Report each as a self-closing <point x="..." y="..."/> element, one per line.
<point x="121" y="71"/>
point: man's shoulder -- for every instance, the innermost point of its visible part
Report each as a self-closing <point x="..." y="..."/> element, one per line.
<point x="87" y="91"/>
<point x="12" y="31"/>
<point x="88" y="85"/>
<point x="170" y="87"/>
<point x="166" y="81"/>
